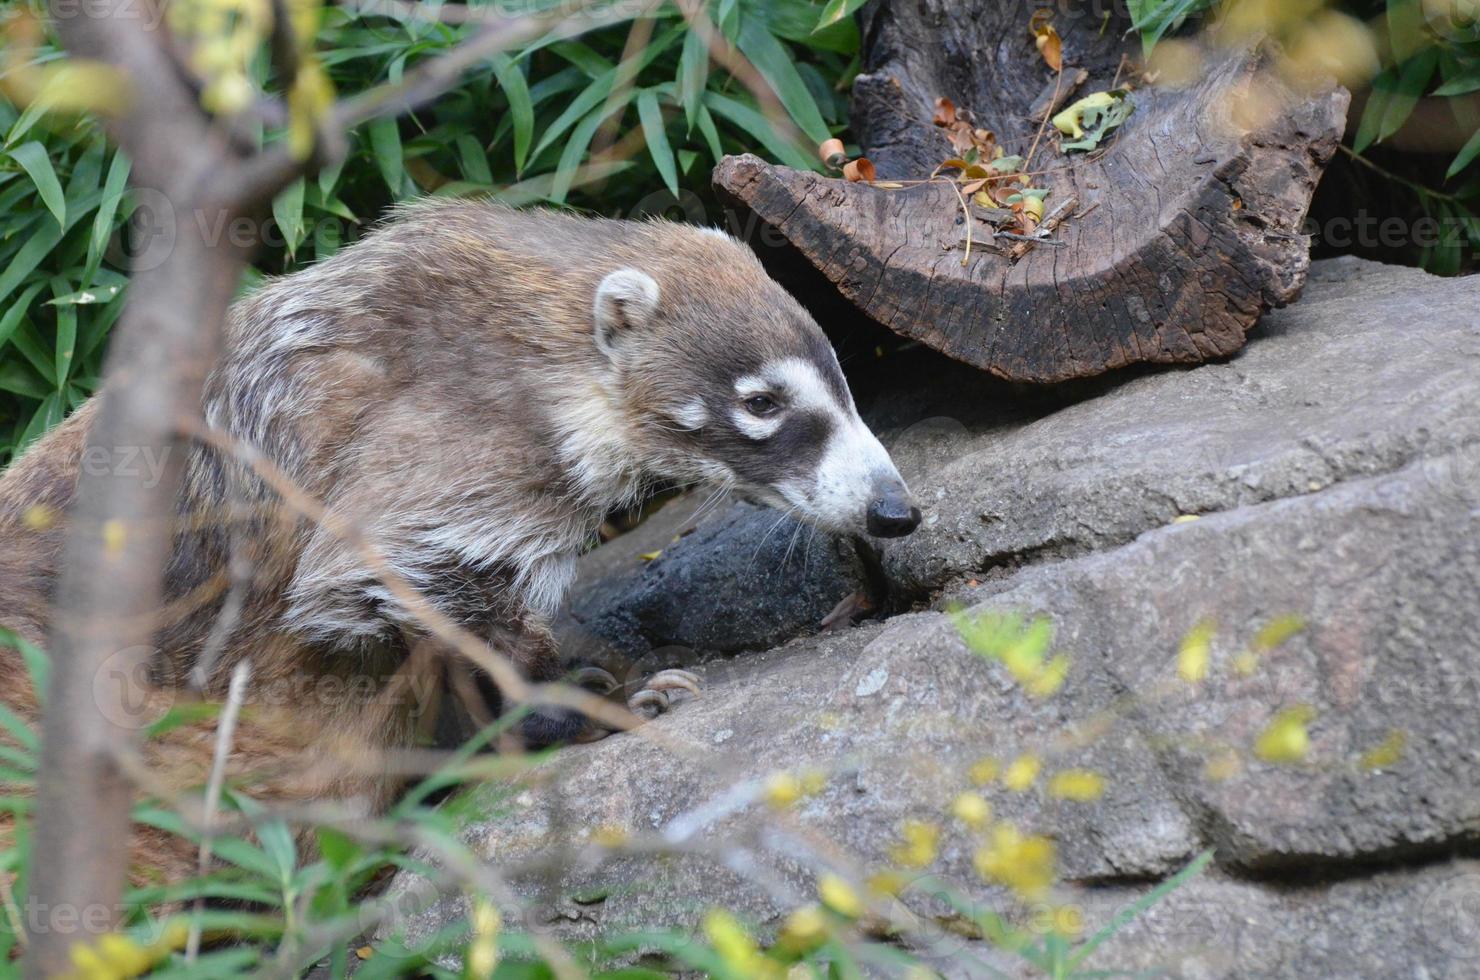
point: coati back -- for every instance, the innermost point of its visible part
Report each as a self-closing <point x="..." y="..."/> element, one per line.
<point x="474" y="388"/>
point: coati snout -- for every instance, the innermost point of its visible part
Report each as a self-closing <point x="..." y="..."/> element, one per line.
<point x="752" y="393"/>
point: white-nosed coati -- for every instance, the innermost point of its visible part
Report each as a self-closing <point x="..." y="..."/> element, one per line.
<point x="475" y="388"/>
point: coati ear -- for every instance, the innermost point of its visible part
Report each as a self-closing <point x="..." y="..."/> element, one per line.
<point x="625" y="300"/>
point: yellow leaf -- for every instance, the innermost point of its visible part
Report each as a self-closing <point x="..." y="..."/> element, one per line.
<point x="983" y="771"/>
<point x="650" y="555"/>
<point x="1195" y="652"/>
<point x="1022" y="773"/>
<point x="839" y="896"/>
<point x="1385" y="754"/>
<point x="1286" y="739"/>
<point x="1079" y="785"/>
<point x="971" y="810"/>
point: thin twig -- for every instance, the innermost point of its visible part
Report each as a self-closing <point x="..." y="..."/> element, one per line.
<point x="225" y="731"/>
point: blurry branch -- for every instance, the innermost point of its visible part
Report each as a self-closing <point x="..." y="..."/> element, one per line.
<point x="225" y="732"/>
<point x="111" y="580"/>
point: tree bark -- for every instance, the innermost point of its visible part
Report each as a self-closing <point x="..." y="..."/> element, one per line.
<point x="1187" y="223"/>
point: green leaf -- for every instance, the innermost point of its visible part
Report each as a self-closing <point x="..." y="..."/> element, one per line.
<point x="114" y="186"/>
<point x="66" y="345"/>
<point x="287" y="211"/>
<point x="1465" y="157"/>
<point x="759" y="127"/>
<point x="1154" y="18"/>
<point x="47" y="414"/>
<point x="1130" y="912"/>
<point x="835" y="11"/>
<point x="711" y="134"/>
<point x="693" y="76"/>
<point x="773" y="61"/>
<point x="576" y="146"/>
<point x="385" y="145"/>
<point x="521" y="108"/>
<point x="1461" y="84"/>
<point x="1394" y="94"/>
<point x="651" y="116"/>
<point x="17" y="311"/>
<point x="33" y="159"/>
<point x="36" y="248"/>
<point x="37" y="663"/>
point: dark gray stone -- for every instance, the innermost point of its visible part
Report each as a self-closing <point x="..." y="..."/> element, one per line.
<point x="1335" y="470"/>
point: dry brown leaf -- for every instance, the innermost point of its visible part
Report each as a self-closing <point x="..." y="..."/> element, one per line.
<point x="833" y="153"/>
<point x="1050" y="45"/>
<point x="945" y="112"/>
<point x="860" y="170"/>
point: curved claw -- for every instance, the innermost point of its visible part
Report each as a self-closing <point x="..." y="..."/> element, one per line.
<point x="595" y="679"/>
<point x="674" y="679"/>
<point x="648" y="703"/>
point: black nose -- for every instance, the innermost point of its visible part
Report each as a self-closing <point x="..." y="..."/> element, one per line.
<point x="892" y="516"/>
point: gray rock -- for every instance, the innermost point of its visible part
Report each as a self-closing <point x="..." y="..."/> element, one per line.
<point x="727" y="578"/>
<point x="1335" y="466"/>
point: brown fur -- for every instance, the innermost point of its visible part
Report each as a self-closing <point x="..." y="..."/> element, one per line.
<point x="436" y="384"/>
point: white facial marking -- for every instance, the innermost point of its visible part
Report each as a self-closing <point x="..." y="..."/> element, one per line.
<point x="853" y="464"/>
<point x="692" y="416"/>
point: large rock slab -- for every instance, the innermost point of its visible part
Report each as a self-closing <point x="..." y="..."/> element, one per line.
<point x="1376" y="367"/>
<point x="1333" y="466"/>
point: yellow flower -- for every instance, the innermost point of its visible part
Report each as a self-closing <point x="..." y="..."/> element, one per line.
<point x="114" y="534"/>
<point x="919" y="846"/>
<point x="38" y="517"/>
<point x="1022" y="773"/>
<point x="1245" y="662"/>
<point x="735" y="946"/>
<point x="1385" y="754"/>
<point x="1196" y="652"/>
<point x="1023" y="863"/>
<point x="983" y="771"/>
<point x="972" y="810"/>
<point x="1286" y="738"/>
<point x="1068" y="920"/>
<point x="1275" y="632"/>
<point x="1080" y="785"/>
<point x="814" y="781"/>
<point x="804" y="929"/>
<point x="1046" y="682"/>
<point x="782" y="789"/>
<point x="889" y="883"/>
<point x="839" y="896"/>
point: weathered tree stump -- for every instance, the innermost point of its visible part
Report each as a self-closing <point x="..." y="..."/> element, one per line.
<point x="1188" y="219"/>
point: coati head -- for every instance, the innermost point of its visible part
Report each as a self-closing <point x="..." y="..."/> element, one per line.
<point x="734" y="384"/>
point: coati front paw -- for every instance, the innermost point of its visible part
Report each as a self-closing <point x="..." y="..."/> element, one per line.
<point x="661" y="692"/>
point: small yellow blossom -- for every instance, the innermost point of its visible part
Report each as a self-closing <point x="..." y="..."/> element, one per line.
<point x="814" y="781"/>
<point x="1023" y="863"/>
<point x="983" y="771"/>
<point x="1286" y="738"/>
<point x="1385" y="754"/>
<point x="804" y="929"/>
<point x="889" y="883"/>
<point x="1046" y="682"/>
<point x="839" y="896"/>
<point x="118" y="956"/>
<point x="1079" y="785"/>
<point x="1244" y="663"/>
<point x="782" y="789"/>
<point x="1068" y="920"/>
<point x="736" y="947"/>
<point x="1022" y="773"/>
<point x="1275" y="632"/>
<point x="1195" y="653"/>
<point x="972" y="810"/>
<point x="918" y="849"/>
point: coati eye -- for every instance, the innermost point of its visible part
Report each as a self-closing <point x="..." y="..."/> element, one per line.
<point x="761" y="405"/>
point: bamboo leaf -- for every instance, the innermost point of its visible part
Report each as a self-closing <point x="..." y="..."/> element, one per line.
<point x="759" y="127"/>
<point x="385" y="145"/>
<point x="772" y="60"/>
<point x="34" y="161"/>
<point x="114" y="186"/>
<point x="693" y="76"/>
<point x="1465" y="157"/>
<point x="651" y="116"/>
<point x="521" y="109"/>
